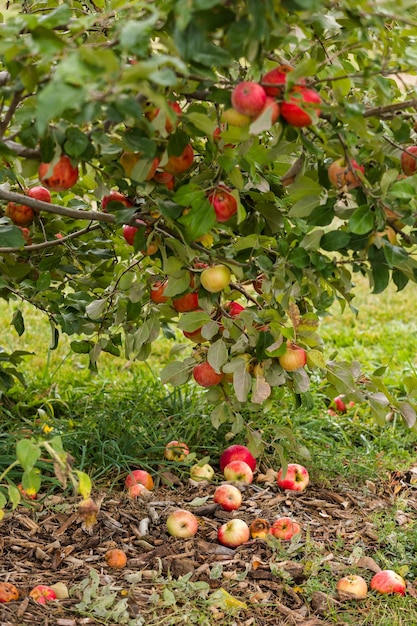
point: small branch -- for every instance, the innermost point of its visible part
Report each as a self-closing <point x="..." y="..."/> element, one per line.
<point x="22" y="151"/>
<point x="11" y="196"/>
<point x="10" y="112"/>
<point x="52" y="244"/>
<point x="391" y="108"/>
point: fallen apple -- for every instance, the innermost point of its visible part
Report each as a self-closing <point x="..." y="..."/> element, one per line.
<point x="201" y="472"/>
<point x="237" y="452"/>
<point x="176" y="451"/>
<point x="238" y="472"/>
<point x="139" y="476"/>
<point x="42" y="594"/>
<point x="296" y="477"/>
<point x="388" y="581"/>
<point x="116" y="558"/>
<point x="233" y="533"/>
<point x="284" y="528"/>
<point x="182" y="524"/>
<point x="352" y="587"/>
<point x="228" y="497"/>
<point x="8" y="592"/>
<point x="259" y="528"/>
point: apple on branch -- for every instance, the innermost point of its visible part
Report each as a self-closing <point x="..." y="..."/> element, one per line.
<point x="215" y="278"/>
<point x="206" y="376"/>
<point x="181" y="163"/>
<point x="248" y="98"/>
<point x="274" y="81"/>
<point x="409" y="160"/>
<point x="293" y="358"/>
<point x="300" y="107"/>
<point x="343" y="175"/>
<point x="223" y="203"/>
<point x="21" y="214"/>
<point x="59" y="176"/>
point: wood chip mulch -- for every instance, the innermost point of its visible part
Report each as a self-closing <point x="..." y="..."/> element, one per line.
<point x="47" y="542"/>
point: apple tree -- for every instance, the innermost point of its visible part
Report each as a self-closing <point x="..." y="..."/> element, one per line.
<point x="214" y="169"/>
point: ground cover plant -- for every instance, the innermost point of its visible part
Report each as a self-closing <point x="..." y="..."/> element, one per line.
<point x="188" y="192"/>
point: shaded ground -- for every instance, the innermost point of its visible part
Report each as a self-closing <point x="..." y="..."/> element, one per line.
<point x="275" y="581"/>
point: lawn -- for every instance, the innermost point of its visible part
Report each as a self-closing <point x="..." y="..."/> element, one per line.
<point x="357" y="515"/>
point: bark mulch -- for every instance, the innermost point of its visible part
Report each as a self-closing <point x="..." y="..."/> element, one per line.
<point x="49" y="543"/>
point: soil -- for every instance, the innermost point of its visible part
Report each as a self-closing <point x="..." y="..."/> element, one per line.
<point x="48" y="541"/>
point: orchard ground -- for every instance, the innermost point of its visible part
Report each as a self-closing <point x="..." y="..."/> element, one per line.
<point x="357" y="515"/>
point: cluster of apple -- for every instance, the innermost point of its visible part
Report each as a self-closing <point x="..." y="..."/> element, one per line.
<point x="299" y="107"/>
<point x="41" y="594"/>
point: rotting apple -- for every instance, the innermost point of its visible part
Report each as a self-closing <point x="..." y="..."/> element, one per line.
<point x="408" y="160"/>
<point x="300" y="107"/>
<point x="215" y="278"/>
<point x="248" y="98"/>
<point x="228" y="497"/>
<point x="284" y="528"/>
<point x="116" y="197"/>
<point x="233" y="533"/>
<point x="259" y="528"/>
<point x="388" y="581"/>
<point x="31" y="494"/>
<point x="60" y="176"/>
<point x="176" y="451"/>
<point x="206" y="376"/>
<point x="139" y="476"/>
<point x="343" y="175"/>
<point x="116" y="558"/>
<point x="237" y="452"/>
<point x="137" y="491"/>
<point x="42" y="594"/>
<point x="352" y="587"/>
<point x="274" y="81"/>
<point x="8" y="592"/>
<point x="238" y="472"/>
<point x="183" y="162"/>
<point x="223" y="202"/>
<point x="182" y="523"/>
<point x="201" y="472"/>
<point x="293" y="358"/>
<point x="296" y="478"/>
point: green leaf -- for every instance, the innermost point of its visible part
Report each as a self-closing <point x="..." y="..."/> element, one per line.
<point x="193" y="320"/>
<point x="18" y="322"/>
<point x="335" y="240"/>
<point x="54" y="99"/>
<point x="202" y="122"/>
<point x="362" y="220"/>
<point x="76" y="143"/>
<point x="217" y="355"/>
<point x="176" y="373"/>
<point x="27" y="453"/>
<point x="11" y="236"/>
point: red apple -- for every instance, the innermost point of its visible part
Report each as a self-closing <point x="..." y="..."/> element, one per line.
<point x="228" y="496"/>
<point x="248" y="98"/>
<point x="182" y="524"/>
<point x="169" y="126"/>
<point x="201" y="472"/>
<point x="215" y="278"/>
<point x="115" y="196"/>
<point x="388" y="581"/>
<point x="157" y="292"/>
<point x="274" y="81"/>
<point x="301" y="102"/>
<point x="284" y="528"/>
<point x="20" y="214"/>
<point x="176" y="451"/>
<point x="63" y="175"/>
<point x="237" y="452"/>
<point x="181" y="163"/>
<point x="39" y="193"/>
<point x="409" y="162"/>
<point x="206" y="376"/>
<point x="233" y="533"/>
<point x="296" y="477"/>
<point x="352" y="587"/>
<point x="238" y="472"/>
<point x="42" y="594"/>
<point x="343" y="175"/>
<point x="165" y="178"/>
<point x="194" y="335"/>
<point x="186" y="302"/>
<point x="139" y="476"/>
<point x="272" y="106"/>
<point x="137" y="491"/>
<point x="223" y="203"/>
<point x="31" y="494"/>
<point x="259" y="528"/>
<point x="294" y="358"/>
<point x="129" y="233"/>
<point x="233" y="308"/>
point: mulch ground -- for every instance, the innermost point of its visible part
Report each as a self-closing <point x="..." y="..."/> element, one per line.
<point x="49" y="543"/>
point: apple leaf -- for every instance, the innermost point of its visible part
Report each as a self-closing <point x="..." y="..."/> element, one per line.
<point x="27" y="453"/>
<point x="177" y="373"/>
<point x="217" y="355"/>
<point x="242" y="381"/>
<point x="193" y="320"/>
<point x="261" y="390"/>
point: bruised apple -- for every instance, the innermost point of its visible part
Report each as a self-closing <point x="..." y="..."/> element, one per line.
<point x="8" y="592"/>
<point x="343" y="175"/>
<point x="63" y="175"/>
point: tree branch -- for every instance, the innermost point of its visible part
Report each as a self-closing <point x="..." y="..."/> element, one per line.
<point x="52" y="243"/>
<point x="22" y="151"/>
<point x="98" y="216"/>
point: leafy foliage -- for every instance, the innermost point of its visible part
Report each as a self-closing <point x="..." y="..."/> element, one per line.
<point x="100" y="81"/>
